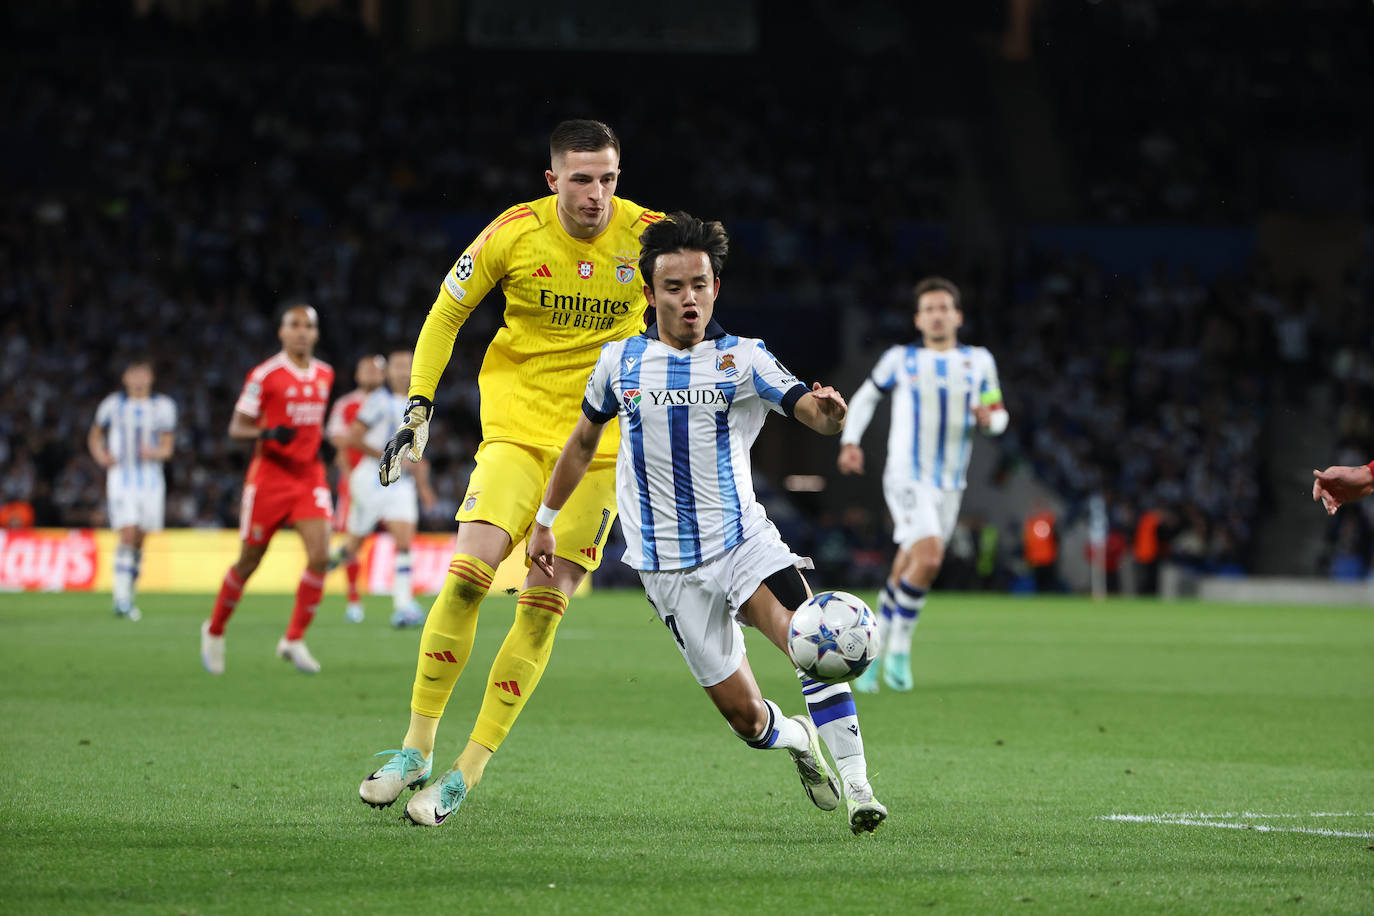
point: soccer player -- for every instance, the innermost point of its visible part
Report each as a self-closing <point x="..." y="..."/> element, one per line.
<point x="282" y="408"/>
<point x="691" y="400"/>
<point x="566" y="264"/>
<point x="941" y="390"/>
<point x="397" y="509"/>
<point x="1338" y="485"/>
<point x="131" y="437"/>
<point x="369" y="375"/>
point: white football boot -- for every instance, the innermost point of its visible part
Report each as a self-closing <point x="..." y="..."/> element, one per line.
<point x="211" y="650"/>
<point x="435" y="802"/>
<point x="407" y="769"/>
<point x="816" y="777"/>
<point x="295" y="652"/>
<point x="409" y="615"/>
<point x="865" y="811"/>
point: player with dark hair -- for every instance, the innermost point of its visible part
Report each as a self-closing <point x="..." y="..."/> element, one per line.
<point x="132" y="436"/>
<point x="282" y="409"/>
<point x="691" y="399"/>
<point x="566" y="264"/>
<point x="942" y="390"/>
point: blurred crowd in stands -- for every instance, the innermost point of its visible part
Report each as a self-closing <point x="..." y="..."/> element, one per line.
<point x="171" y="207"/>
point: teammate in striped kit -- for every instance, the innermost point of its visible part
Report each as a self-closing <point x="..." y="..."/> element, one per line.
<point x="133" y="434"/>
<point x="691" y="400"/>
<point x="941" y="390"/>
<point x="369" y="375"/>
<point x="397" y="508"/>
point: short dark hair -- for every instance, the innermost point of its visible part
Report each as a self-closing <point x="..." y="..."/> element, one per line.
<point x="140" y="359"/>
<point x="582" y="135"/>
<point x="681" y="231"/>
<point x="291" y="306"/>
<point x="936" y="284"/>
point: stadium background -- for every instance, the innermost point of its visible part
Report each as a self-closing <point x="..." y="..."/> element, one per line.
<point x="1159" y="213"/>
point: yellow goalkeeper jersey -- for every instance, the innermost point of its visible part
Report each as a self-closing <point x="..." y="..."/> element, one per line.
<point x="565" y="297"/>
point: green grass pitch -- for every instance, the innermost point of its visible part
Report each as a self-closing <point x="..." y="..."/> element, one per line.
<point x="1240" y="735"/>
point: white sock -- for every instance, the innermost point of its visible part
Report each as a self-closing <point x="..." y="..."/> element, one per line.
<point x="125" y="571"/>
<point x="910" y="600"/>
<point x="832" y="709"/>
<point x="779" y="732"/>
<point x="401" y="593"/>
<point x="887" y="609"/>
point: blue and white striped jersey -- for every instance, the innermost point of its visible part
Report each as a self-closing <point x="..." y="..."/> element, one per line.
<point x="381" y="413"/>
<point x="131" y="425"/>
<point x="688" y="418"/>
<point x="934" y="393"/>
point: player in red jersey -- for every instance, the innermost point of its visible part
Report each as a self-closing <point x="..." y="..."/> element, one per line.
<point x="369" y="375"/>
<point x="1339" y="484"/>
<point x="282" y="407"/>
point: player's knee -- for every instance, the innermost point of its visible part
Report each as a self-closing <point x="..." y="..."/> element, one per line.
<point x="927" y="570"/>
<point x="465" y="592"/>
<point x="469" y="580"/>
<point x="747" y="719"/>
<point x="926" y="561"/>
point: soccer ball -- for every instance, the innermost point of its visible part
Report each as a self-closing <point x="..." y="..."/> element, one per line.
<point x="833" y="637"/>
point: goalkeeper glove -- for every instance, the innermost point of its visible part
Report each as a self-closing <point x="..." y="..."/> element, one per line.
<point x="282" y="434"/>
<point x="410" y="439"/>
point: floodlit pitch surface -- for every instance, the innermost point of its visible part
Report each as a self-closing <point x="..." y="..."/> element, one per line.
<point x="1056" y="755"/>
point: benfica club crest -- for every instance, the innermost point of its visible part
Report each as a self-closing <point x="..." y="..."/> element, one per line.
<point x="584" y="269"/>
<point x="625" y="266"/>
<point x="470" y="501"/>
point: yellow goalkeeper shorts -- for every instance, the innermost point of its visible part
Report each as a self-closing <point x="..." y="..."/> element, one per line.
<point x="508" y="485"/>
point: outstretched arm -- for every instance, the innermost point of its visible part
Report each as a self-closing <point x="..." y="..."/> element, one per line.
<point x="567" y="474"/>
<point x="822" y="408"/>
<point x="1338" y="485"/>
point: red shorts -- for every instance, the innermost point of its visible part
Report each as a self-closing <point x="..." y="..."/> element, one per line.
<point x="273" y="497"/>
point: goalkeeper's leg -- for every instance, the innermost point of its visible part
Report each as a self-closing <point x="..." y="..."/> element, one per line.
<point x="445" y="645"/>
<point x="519" y="664"/>
<point x="515" y="673"/>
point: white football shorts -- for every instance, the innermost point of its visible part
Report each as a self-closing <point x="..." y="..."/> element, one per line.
<point x="138" y="501"/>
<point x="370" y="503"/>
<point x="698" y="605"/>
<point x="921" y="511"/>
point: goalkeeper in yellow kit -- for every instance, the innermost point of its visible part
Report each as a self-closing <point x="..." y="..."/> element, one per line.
<point x="567" y="265"/>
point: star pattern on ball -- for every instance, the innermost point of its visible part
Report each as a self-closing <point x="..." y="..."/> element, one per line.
<point x="824" y="638"/>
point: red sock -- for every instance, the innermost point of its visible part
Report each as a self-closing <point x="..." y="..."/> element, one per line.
<point x="308" y="595"/>
<point x="230" y="591"/>
<point x="351" y="569"/>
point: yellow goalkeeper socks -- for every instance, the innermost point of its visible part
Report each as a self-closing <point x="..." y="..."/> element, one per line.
<point x="447" y="641"/>
<point x="520" y="663"/>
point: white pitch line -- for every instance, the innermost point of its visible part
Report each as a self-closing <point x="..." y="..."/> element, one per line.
<point x="1250" y="814"/>
<point x="1200" y="821"/>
